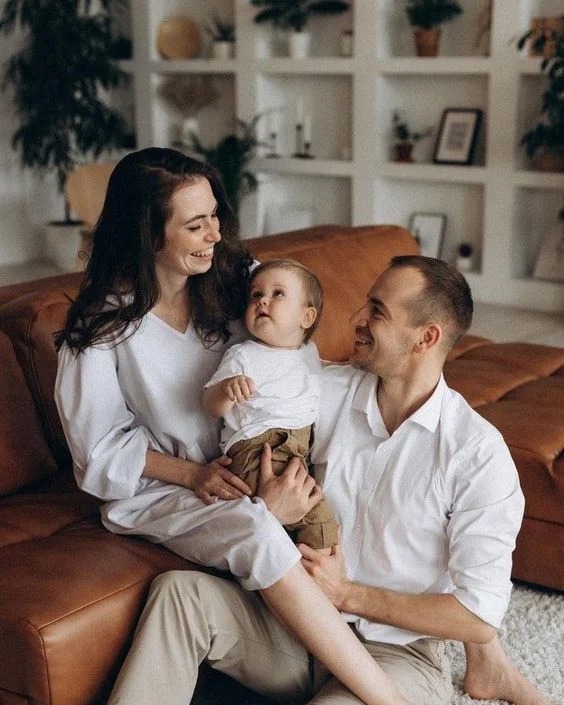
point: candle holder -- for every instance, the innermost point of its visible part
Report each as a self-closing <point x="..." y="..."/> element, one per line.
<point x="272" y="139"/>
<point x="303" y="147"/>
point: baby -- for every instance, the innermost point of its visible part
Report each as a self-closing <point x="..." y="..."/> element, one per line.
<point x="267" y="389"/>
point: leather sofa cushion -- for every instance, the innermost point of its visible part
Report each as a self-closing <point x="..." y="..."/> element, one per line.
<point x="24" y="455"/>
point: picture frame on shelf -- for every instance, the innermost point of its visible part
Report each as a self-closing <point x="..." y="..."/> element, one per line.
<point x="457" y="136"/>
<point x="428" y="229"/>
<point x="550" y="261"/>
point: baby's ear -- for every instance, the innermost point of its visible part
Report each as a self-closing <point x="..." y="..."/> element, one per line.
<point x="308" y="318"/>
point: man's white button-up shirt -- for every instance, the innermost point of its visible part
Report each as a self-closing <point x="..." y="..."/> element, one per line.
<point x="433" y="508"/>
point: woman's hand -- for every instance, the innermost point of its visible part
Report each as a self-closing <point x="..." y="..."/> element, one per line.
<point x="214" y="481"/>
<point x="291" y="495"/>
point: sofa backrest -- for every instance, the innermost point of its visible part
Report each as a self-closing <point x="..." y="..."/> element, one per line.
<point x="30" y="322"/>
<point x="347" y="261"/>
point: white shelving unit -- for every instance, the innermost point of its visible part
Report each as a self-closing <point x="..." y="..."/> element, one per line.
<point x="499" y="204"/>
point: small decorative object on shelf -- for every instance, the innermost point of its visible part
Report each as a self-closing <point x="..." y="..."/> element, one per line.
<point x="484" y="28"/>
<point x="550" y="262"/>
<point x="294" y="15"/>
<point x="231" y="157"/>
<point x="428" y="229"/>
<point x="457" y="136"/>
<point x="425" y="16"/>
<point x="222" y="33"/>
<point x="347" y="43"/>
<point x="188" y="95"/>
<point x="464" y="257"/>
<point x="545" y="142"/>
<point x="303" y="132"/>
<point x="178" y="37"/>
<point x="548" y="28"/>
<point x="405" y="139"/>
<point x="273" y="129"/>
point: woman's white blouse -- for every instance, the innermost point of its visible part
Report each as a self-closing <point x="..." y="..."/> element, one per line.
<point x="116" y="403"/>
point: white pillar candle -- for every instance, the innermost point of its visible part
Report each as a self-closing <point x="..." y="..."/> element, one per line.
<point x="307" y="128"/>
<point x="300" y="111"/>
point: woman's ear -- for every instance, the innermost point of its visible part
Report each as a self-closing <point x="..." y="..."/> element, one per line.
<point x="308" y="318"/>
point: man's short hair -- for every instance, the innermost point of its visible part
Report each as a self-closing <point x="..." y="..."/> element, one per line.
<point x="446" y="297"/>
<point x="310" y="282"/>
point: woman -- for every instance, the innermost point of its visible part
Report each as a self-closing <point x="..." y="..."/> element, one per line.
<point x="162" y="297"/>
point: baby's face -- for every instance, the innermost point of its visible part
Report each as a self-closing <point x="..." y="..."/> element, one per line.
<point x="277" y="313"/>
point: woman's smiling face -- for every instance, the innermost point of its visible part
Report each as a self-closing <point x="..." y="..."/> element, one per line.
<point x="191" y="232"/>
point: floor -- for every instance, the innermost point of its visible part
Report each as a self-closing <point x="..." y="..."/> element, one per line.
<point x="499" y="323"/>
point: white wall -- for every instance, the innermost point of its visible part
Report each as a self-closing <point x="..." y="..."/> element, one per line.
<point x="18" y="239"/>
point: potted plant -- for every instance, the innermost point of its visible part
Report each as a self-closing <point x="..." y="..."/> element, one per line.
<point x="545" y="142"/>
<point x="425" y="16"/>
<point x="222" y="33"/>
<point x="464" y="257"/>
<point x="231" y="157"/>
<point x="294" y="15"/>
<point x="57" y="77"/>
<point x="405" y="138"/>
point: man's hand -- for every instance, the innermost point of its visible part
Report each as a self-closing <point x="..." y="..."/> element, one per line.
<point x="328" y="571"/>
<point x="291" y="495"/>
<point x="238" y="389"/>
<point x="214" y="481"/>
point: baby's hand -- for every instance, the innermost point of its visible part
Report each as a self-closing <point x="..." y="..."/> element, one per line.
<point x="238" y="389"/>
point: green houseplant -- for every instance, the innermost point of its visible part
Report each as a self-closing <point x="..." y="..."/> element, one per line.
<point x="222" y="34"/>
<point x="56" y="78"/>
<point x="426" y="16"/>
<point x="231" y="156"/>
<point x="405" y="138"/>
<point x="545" y="141"/>
<point x="294" y="15"/>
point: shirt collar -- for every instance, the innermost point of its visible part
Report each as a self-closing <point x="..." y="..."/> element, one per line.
<point x="427" y="415"/>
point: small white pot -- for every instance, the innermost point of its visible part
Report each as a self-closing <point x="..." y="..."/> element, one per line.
<point x="63" y="242"/>
<point x="464" y="264"/>
<point x="223" y="50"/>
<point x="299" y="44"/>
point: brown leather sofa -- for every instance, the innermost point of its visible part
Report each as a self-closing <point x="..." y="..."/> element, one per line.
<point x="70" y="592"/>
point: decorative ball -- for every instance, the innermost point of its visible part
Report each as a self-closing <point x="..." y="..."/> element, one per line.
<point x="178" y="37"/>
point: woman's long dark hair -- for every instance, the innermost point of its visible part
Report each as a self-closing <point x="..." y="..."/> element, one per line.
<point x="130" y="230"/>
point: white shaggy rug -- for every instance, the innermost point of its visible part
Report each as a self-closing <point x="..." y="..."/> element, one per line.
<point x="533" y="637"/>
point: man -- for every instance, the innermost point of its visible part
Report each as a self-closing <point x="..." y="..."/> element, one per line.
<point x="429" y="504"/>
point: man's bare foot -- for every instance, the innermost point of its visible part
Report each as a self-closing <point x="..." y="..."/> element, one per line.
<point x="491" y="675"/>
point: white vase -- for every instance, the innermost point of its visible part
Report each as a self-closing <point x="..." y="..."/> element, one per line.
<point x="63" y="242"/>
<point x="299" y="44"/>
<point x="223" y="50"/>
<point x="464" y="264"/>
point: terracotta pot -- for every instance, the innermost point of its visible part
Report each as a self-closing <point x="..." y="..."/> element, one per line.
<point x="550" y="160"/>
<point x="427" y="41"/>
<point x="403" y="151"/>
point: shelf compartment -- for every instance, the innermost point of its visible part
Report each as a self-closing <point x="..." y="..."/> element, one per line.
<point x="535" y="214"/>
<point x="286" y="200"/>
<point x="396" y="200"/>
<point x="421" y="103"/>
<point x="539" y="179"/>
<point x="214" y="120"/>
<point x="327" y="101"/>
<point x="395" y="36"/>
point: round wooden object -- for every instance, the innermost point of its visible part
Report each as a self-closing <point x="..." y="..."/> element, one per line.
<point x="178" y="37"/>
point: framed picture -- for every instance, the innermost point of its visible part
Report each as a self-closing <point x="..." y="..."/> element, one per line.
<point x="550" y="261"/>
<point x="457" y="136"/>
<point x="428" y="229"/>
